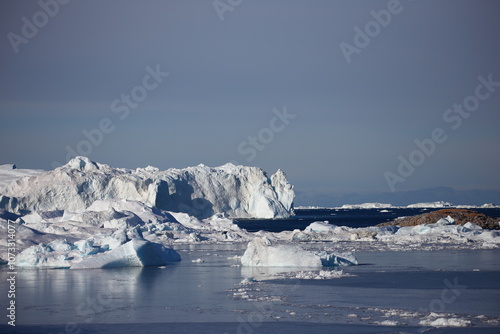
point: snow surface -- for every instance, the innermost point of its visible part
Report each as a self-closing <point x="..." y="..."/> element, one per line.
<point x="84" y="255"/>
<point x="261" y="252"/>
<point x="436" y="320"/>
<point x="10" y="172"/>
<point x="439" y="204"/>
<point x="201" y="191"/>
<point x="135" y="253"/>
<point x="366" y="206"/>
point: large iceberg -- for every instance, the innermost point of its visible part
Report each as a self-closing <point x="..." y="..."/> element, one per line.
<point x="83" y="254"/>
<point x="201" y="191"/>
<point x="135" y="253"/>
<point x="261" y="252"/>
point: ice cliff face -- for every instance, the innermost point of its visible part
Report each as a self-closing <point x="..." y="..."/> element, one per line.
<point x="201" y="191"/>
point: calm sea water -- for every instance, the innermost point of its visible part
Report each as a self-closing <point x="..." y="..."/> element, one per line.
<point x="339" y="217"/>
<point x="205" y="297"/>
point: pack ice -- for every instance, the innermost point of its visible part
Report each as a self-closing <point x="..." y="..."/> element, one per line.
<point x="261" y="252"/>
<point x="201" y="191"/>
<point x="83" y="254"/>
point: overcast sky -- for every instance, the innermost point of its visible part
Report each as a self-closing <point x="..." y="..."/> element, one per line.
<point x="335" y="93"/>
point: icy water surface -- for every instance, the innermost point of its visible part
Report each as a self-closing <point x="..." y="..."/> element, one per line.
<point x="340" y="217"/>
<point x="388" y="292"/>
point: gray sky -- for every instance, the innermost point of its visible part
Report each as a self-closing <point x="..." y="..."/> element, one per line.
<point x="350" y="118"/>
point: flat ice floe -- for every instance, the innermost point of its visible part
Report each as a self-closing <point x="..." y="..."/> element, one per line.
<point x="261" y="252"/>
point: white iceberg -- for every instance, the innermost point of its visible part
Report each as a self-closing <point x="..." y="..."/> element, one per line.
<point x="320" y="227"/>
<point x="438" y="204"/>
<point x="57" y="253"/>
<point x="201" y="191"/>
<point x="261" y="252"/>
<point x="375" y="205"/>
<point x="85" y="254"/>
<point x="445" y="322"/>
<point x="135" y="253"/>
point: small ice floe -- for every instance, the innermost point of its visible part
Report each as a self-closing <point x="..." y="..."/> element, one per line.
<point x="438" y="320"/>
<point x="197" y="261"/>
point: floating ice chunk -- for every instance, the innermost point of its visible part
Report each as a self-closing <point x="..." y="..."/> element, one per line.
<point x="135" y="253"/>
<point x="445" y="322"/>
<point x="187" y="220"/>
<point x="367" y="206"/>
<point x="261" y="252"/>
<point x="445" y="221"/>
<point x="473" y="227"/>
<point x="298" y="235"/>
<point x="329" y="259"/>
<point x="322" y="274"/>
<point x="438" y="204"/>
<point x="320" y="227"/>
<point x="42" y="255"/>
<point x="387" y="323"/>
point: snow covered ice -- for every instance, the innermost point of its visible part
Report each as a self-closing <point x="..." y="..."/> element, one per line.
<point x="261" y="252"/>
<point x="201" y="191"/>
<point x="83" y="254"/>
<point x="135" y="253"/>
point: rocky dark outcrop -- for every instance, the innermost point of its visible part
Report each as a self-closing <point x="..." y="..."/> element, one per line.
<point x="461" y="216"/>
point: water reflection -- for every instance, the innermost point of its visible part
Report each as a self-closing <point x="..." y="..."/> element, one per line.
<point x="83" y="296"/>
<point x="185" y="291"/>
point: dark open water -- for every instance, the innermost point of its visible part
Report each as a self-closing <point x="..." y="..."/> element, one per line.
<point x="339" y="217"/>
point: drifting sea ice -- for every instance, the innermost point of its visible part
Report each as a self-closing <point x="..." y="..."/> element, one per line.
<point x="84" y="255"/>
<point x="261" y="252"/>
<point x="135" y="253"/>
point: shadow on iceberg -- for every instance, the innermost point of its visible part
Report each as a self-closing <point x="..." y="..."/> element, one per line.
<point x="135" y="253"/>
<point x="261" y="252"/>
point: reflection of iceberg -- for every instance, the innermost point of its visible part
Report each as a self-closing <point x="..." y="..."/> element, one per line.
<point x="262" y="253"/>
